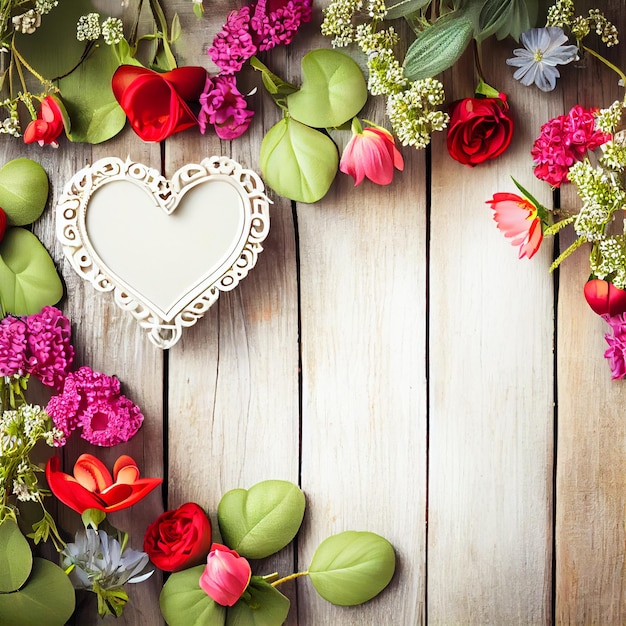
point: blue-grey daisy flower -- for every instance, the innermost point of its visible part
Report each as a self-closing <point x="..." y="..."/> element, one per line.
<point x="543" y="50"/>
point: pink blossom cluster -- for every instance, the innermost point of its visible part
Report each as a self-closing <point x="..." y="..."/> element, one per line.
<point x="563" y="141"/>
<point x="38" y="345"/>
<point x="92" y="402"/>
<point x="616" y="352"/>
<point x="255" y="27"/>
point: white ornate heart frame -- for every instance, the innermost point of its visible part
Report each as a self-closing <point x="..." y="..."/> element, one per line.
<point x="165" y="267"/>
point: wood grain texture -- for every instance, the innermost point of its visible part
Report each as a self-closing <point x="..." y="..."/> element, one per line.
<point x="233" y="379"/>
<point x="591" y="482"/>
<point x="491" y="384"/>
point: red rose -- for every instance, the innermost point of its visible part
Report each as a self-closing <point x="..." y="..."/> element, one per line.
<point x="479" y="129"/>
<point x="156" y="104"/>
<point x="604" y="297"/>
<point x="178" y="539"/>
<point x="48" y="125"/>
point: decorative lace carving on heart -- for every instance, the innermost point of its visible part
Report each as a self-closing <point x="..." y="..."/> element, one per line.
<point x="165" y="248"/>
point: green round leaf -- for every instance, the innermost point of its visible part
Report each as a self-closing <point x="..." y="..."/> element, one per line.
<point x="184" y="603"/>
<point x="16" y="558"/>
<point x="265" y="606"/>
<point x="23" y="191"/>
<point x="352" y="567"/>
<point x="47" y="598"/>
<point x="262" y="520"/>
<point x="298" y="162"/>
<point x="333" y="90"/>
<point x="28" y="278"/>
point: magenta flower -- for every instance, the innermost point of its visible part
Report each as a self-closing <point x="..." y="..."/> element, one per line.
<point x="276" y="23"/>
<point x="563" y="141"/>
<point x="616" y="352"/>
<point x="12" y="347"/>
<point x="223" y="106"/>
<point x="257" y="26"/>
<point x="38" y="345"/>
<point x="92" y="402"/>
<point x="233" y="45"/>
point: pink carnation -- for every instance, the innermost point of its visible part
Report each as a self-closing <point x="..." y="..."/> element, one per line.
<point x="223" y="106"/>
<point x="616" y="352"/>
<point x="38" y="345"/>
<point x="12" y="347"/>
<point x="50" y="353"/>
<point x="233" y="45"/>
<point x="92" y="401"/>
<point x="563" y="141"/>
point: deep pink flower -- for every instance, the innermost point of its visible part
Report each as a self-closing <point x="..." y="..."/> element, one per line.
<point x="518" y="220"/>
<point x="226" y="575"/>
<point x="50" y="354"/>
<point x="276" y="23"/>
<point x="3" y="223"/>
<point x="616" y="352"/>
<point x="12" y="346"/>
<point x="224" y="107"/>
<point x="92" y="401"/>
<point x="371" y="153"/>
<point x="233" y="45"/>
<point x="563" y="141"/>
<point x="38" y="345"/>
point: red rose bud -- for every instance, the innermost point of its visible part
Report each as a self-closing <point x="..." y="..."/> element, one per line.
<point x="178" y="539"/>
<point x="479" y="129"/>
<point x="48" y="125"/>
<point x="604" y="297"/>
<point x="156" y="104"/>
<point x="3" y="223"/>
<point x="226" y="575"/>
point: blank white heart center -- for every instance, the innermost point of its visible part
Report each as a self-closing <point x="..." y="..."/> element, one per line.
<point x="164" y="257"/>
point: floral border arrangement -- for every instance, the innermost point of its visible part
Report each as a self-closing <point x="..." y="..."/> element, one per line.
<point x="136" y="80"/>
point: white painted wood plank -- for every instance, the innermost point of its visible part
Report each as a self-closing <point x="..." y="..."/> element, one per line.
<point x="491" y="385"/>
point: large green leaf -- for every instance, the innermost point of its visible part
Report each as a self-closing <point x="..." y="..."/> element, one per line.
<point x="263" y="606"/>
<point x="333" y="90"/>
<point x="23" y="191"/>
<point x="438" y="47"/>
<point x="28" y="278"/>
<point x="262" y="520"/>
<point x="86" y="92"/>
<point x="47" y="598"/>
<point x="16" y="558"/>
<point x="506" y="17"/>
<point x="400" y="8"/>
<point x="352" y="567"/>
<point x="184" y="603"/>
<point x="298" y="162"/>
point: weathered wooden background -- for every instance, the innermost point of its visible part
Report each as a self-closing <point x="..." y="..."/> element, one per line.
<point x="390" y="354"/>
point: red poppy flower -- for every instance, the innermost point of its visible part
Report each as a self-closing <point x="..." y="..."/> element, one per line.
<point x="371" y="153"/>
<point x="604" y="297"/>
<point x="518" y="219"/>
<point x="92" y="487"/>
<point x="156" y="103"/>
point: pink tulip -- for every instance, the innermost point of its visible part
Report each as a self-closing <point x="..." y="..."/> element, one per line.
<point x="226" y="575"/>
<point x="371" y="153"/>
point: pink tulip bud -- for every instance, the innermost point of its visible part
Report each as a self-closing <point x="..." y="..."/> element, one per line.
<point x="226" y="575"/>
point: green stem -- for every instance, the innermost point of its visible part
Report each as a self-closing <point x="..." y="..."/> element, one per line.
<point x="280" y="581"/>
<point x="607" y="63"/>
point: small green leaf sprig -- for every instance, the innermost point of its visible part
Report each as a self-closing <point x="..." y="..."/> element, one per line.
<point x="347" y="569"/>
<point x="442" y="30"/>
